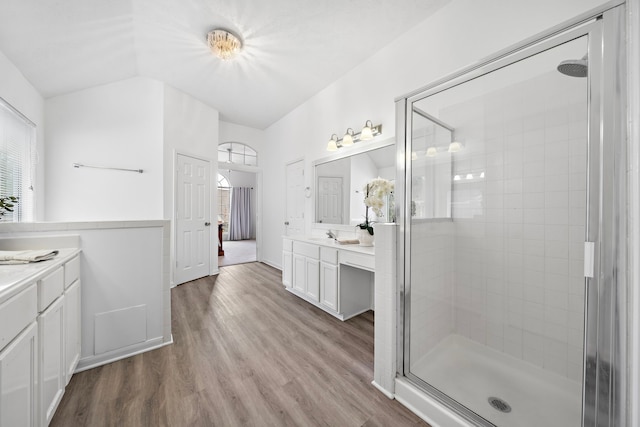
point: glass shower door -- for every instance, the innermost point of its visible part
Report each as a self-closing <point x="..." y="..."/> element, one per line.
<point x="497" y="220"/>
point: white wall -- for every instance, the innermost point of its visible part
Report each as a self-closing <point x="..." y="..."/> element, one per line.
<point x="17" y="91"/>
<point x="189" y="127"/>
<point x="124" y="282"/>
<point x="230" y="132"/>
<point x="459" y="34"/>
<point x="115" y="125"/>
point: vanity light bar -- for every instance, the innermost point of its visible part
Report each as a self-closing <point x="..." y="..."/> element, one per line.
<point x="335" y="143"/>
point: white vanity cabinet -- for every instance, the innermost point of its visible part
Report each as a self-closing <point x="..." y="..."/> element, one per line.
<point x="39" y="338"/>
<point x="329" y="278"/>
<point x="72" y="303"/>
<point x="52" y="374"/>
<point x="19" y="359"/>
<point x="287" y="259"/>
<point x="338" y="279"/>
<point x="306" y="269"/>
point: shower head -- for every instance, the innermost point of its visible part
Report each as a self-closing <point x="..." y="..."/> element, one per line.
<point x="574" y="67"/>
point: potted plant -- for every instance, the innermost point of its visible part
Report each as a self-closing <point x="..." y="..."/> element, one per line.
<point x="7" y="204"/>
<point x="375" y="192"/>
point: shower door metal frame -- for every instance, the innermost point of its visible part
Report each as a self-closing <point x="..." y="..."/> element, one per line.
<point x="605" y="292"/>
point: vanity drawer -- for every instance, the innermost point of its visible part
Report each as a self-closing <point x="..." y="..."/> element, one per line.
<point x="287" y="245"/>
<point x="71" y="271"/>
<point x="306" y="249"/>
<point x="329" y="255"/>
<point x="358" y="260"/>
<point x="16" y="313"/>
<point x="50" y="288"/>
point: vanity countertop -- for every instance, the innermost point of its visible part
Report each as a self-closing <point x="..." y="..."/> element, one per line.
<point x="16" y="277"/>
<point x="326" y="241"/>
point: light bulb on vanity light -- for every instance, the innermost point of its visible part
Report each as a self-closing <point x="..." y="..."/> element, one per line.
<point x="347" y="139"/>
<point x="332" y="145"/>
<point x="366" y="133"/>
<point x="455" y="146"/>
<point x="432" y="152"/>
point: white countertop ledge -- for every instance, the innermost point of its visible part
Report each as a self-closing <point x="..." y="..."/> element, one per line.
<point x="17" y="227"/>
<point x="14" y="278"/>
<point x="328" y="242"/>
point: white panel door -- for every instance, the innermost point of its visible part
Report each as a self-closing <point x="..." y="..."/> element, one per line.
<point x="329" y="209"/>
<point x="18" y="371"/>
<point x="193" y="230"/>
<point x="287" y="268"/>
<point x="72" y="319"/>
<point x="52" y="373"/>
<point x="329" y="285"/>
<point x="294" y="221"/>
<point x="313" y="278"/>
<point x="299" y="276"/>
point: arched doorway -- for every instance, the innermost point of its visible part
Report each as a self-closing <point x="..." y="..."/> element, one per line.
<point x="238" y="203"/>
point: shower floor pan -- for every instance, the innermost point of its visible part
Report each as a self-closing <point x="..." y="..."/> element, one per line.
<point x="472" y="374"/>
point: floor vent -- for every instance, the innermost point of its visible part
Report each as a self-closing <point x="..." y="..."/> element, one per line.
<point x="499" y="404"/>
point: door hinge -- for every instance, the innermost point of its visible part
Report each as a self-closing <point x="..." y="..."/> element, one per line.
<point x="589" y="258"/>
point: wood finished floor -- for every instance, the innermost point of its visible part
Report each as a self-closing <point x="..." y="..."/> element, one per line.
<point x="245" y="352"/>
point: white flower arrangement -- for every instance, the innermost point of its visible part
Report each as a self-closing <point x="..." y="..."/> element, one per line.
<point x="375" y="192"/>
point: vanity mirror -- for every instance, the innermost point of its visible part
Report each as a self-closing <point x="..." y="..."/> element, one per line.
<point x="339" y="179"/>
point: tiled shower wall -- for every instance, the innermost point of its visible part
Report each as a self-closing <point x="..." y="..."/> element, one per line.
<point x="519" y="208"/>
<point x="432" y="315"/>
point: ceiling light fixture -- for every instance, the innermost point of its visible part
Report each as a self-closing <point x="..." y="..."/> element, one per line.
<point x="368" y="132"/>
<point x="224" y="44"/>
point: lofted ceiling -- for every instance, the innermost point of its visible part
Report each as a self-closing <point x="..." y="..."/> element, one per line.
<point x="292" y="48"/>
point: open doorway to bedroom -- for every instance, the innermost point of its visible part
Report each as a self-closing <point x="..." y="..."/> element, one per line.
<point x="238" y="220"/>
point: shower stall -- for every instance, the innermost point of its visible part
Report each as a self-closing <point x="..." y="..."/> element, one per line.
<point x="510" y="234"/>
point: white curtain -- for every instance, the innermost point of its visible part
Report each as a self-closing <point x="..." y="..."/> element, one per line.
<point x="241" y="215"/>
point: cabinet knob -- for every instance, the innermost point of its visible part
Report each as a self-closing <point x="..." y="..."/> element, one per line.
<point x="286" y="223"/>
<point x="206" y="224"/>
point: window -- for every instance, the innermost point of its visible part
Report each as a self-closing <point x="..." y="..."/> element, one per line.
<point x="238" y="153"/>
<point x="224" y="201"/>
<point x="17" y="161"/>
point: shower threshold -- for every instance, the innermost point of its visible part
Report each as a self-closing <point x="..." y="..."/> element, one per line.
<point x="473" y="375"/>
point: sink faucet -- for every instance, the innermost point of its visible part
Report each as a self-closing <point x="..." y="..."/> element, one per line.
<point x="331" y="235"/>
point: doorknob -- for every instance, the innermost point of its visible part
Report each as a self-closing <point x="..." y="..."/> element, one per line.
<point x="206" y="224"/>
<point x="286" y="223"/>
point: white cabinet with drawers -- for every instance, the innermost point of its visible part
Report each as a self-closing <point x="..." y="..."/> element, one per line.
<point x="39" y="338"/>
<point x="329" y="278"/>
<point x="338" y="279"/>
<point x="19" y="359"/>
<point x="306" y="270"/>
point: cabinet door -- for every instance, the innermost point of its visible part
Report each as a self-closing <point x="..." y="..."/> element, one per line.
<point x="18" y="372"/>
<point x="299" y="273"/>
<point x="286" y="268"/>
<point x="72" y="303"/>
<point x="313" y="278"/>
<point x="329" y="285"/>
<point x="52" y="377"/>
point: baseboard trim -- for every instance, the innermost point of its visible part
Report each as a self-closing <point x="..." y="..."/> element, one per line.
<point x="113" y="356"/>
<point x="383" y="391"/>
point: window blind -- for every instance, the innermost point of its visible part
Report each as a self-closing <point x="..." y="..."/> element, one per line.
<point x="17" y="161"/>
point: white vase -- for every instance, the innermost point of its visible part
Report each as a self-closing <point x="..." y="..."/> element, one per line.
<point x="365" y="238"/>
